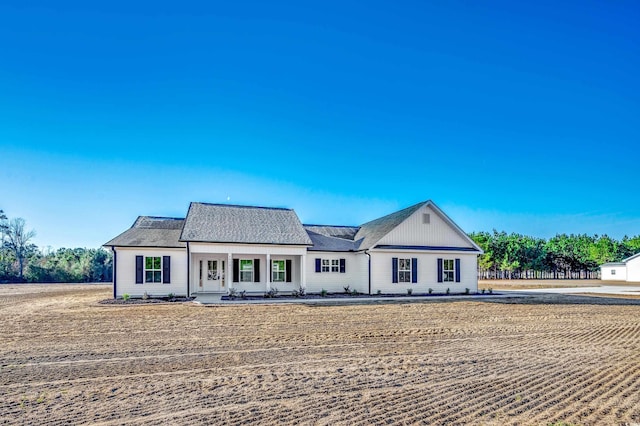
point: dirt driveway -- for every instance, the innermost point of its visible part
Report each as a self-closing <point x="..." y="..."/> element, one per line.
<point x="538" y="360"/>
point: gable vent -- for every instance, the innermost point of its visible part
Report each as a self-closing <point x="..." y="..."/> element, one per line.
<point x="426" y="218"/>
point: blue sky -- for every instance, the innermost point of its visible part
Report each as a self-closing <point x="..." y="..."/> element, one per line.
<point x="519" y="116"/>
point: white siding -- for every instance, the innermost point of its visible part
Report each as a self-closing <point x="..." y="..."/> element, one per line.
<point x="126" y="272"/>
<point x="613" y="273"/>
<point x="356" y="274"/>
<point x="633" y="270"/>
<point x="413" y="232"/>
<point x="381" y="273"/>
<point x="272" y="249"/>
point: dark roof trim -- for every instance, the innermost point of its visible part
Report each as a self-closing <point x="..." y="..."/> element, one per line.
<point x="425" y="248"/>
<point x="330" y="251"/>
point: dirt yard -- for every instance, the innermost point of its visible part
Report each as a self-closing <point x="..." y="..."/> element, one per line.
<point x="65" y="359"/>
<point x="529" y="284"/>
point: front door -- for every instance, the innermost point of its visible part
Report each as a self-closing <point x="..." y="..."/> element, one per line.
<point x="212" y="275"/>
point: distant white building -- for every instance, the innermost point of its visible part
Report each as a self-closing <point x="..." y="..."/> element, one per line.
<point x="627" y="270"/>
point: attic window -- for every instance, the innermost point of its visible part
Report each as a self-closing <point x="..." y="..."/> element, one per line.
<point x="613" y="272"/>
<point x="426" y="218"/>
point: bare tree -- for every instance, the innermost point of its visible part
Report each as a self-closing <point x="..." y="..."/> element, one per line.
<point x="17" y="241"/>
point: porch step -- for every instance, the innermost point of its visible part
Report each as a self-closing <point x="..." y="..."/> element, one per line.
<point x="209" y="297"/>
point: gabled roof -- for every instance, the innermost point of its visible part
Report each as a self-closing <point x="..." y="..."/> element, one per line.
<point x="151" y="231"/>
<point x="344" y="232"/>
<point x="371" y="232"/>
<point x="623" y="262"/>
<point x="328" y="243"/>
<point x="631" y="257"/>
<point x="225" y="223"/>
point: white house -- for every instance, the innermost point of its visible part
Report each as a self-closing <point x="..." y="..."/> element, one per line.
<point x="218" y="247"/>
<point x="627" y="270"/>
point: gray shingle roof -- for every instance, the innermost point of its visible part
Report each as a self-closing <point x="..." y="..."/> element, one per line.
<point x="223" y="223"/>
<point x="371" y="232"/>
<point x="345" y="232"/>
<point x="150" y="231"/>
<point x="328" y="243"/>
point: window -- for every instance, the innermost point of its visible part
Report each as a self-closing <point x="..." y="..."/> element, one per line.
<point x="335" y="265"/>
<point x="246" y="270"/>
<point x="153" y="269"/>
<point x="404" y="270"/>
<point x="278" y="271"/>
<point x="331" y="265"/>
<point x="613" y="272"/>
<point x="448" y="271"/>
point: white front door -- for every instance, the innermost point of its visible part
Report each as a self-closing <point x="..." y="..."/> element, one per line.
<point x="212" y="275"/>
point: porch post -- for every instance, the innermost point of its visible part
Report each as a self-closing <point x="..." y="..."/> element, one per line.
<point x="303" y="271"/>
<point x="268" y="272"/>
<point x="229" y="271"/>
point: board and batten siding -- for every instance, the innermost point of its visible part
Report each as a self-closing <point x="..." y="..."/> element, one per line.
<point x="126" y="272"/>
<point x="356" y="274"/>
<point x="413" y="231"/>
<point x="381" y="272"/>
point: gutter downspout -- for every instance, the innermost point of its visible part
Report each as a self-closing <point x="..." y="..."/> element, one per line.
<point x="115" y="261"/>
<point x="369" y="257"/>
<point x="188" y="269"/>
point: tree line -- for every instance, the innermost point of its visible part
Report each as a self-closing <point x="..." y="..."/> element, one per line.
<point x="506" y="256"/>
<point x="514" y="256"/>
<point x="23" y="261"/>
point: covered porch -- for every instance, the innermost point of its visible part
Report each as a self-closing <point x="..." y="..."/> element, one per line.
<point x="218" y="269"/>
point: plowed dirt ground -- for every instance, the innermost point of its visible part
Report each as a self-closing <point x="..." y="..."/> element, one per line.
<point x="65" y="359"/>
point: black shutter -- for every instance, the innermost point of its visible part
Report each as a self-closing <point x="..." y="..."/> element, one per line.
<point x="318" y="265"/>
<point x="166" y="269"/>
<point x="457" y="270"/>
<point x="256" y="270"/>
<point x="139" y="270"/>
<point x="414" y="270"/>
<point x="288" y="270"/>
<point x="236" y="270"/>
<point x="394" y="270"/>
<point x="343" y="266"/>
<point x="439" y="270"/>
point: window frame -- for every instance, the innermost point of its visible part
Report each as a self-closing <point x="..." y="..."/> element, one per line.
<point x="242" y="272"/>
<point x="156" y="272"/>
<point x="325" y="265"/>
<point x="448" y="275"/>
<point x="277" y="270"/>
<point x="335" y="265"/>
<point x="405" y="270"/>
